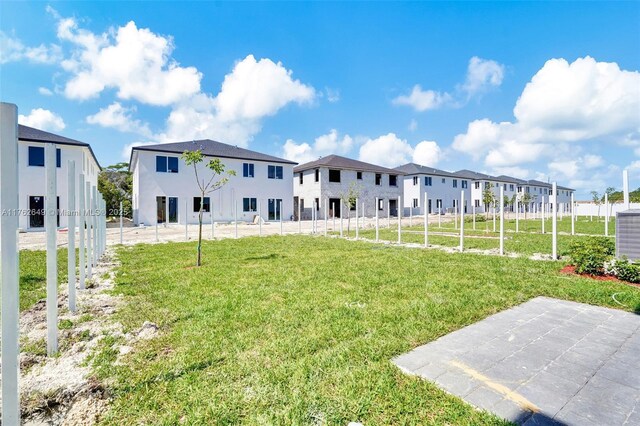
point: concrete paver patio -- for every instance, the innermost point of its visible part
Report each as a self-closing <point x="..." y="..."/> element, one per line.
<point x="545" y="362"/>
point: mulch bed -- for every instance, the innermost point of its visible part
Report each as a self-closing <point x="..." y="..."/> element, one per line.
<point x="571" y="270"/>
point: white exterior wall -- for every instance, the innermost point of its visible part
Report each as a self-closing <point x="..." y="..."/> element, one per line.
<point x="32" y="178"/>
<point x="149" y="184"/>
<point x="324" y="190"/>
<point x="438" y="190"/>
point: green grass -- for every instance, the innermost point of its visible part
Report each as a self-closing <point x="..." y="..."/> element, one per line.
<point x="301" y="330"/>
<point x="33" y="275"/>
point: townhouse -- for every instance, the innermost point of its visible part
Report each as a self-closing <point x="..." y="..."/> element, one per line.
<point x="165" y="189"/>
<point x="322" y="183"/>
<point x="31" y="159"/>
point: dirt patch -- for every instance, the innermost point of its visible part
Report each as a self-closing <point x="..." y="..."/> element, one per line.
<point x="571" y="270"/>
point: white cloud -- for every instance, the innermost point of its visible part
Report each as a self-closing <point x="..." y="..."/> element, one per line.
<point x="387" y="150"/>
<point x="562" y="104"/>
<point x="13" y="50"/>
<point x="591" y="161"/>
<point x="42" y="119"/>
<point x="517" y="172"/>
<point x="333" y="95"/>
<point x="44" y="91"/>
<point x="567" y="168"/>
<point x="482" y="74"/>
<point x="118" y="117"/>
<point x="331" y="143"/>
<point x="413" y="125"/>
<point x="427" y="153"/>
<point x="423" y="100"/>
<point x="126" y="151"/>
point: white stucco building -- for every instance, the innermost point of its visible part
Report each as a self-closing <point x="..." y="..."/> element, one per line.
<point x="32" y="181"/>
<point x="327" y="180"/>
<point x="165" y="189"/>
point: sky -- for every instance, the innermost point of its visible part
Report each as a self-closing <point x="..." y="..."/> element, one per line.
<point x="538" y="90"/>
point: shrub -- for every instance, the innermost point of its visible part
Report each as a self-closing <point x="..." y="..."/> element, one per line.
<point x="479" y="218"/>
<point x="625" y="270"/>
<point x="589" y="254"/>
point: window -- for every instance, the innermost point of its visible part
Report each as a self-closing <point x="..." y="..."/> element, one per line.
<point x="301" y="178"/>
<point x="511" y="187"/>
<point x="444" y="180"/>
<point x="477" y="203"/>
<point x="380" y="204"/>
<point x="415" y="180"/>
<point x="36" y="156"/>
<point x="551" y="192"/>
<point x="546" y="191"/>
<point x="359" y="175"/>
<point x="206" y="205"/>
<point x="378" y="178"/>
<point x="317" y="204"/>
<point x="249" y="205"/>
<point x="393" y="180"/>
<point x="487" y="185"/>
<point x="317" y="173"/>
<point x="519" y="189"/>
<point x="505" y="186"/>
<point x="477" y="185"/>
<point x="528" y="189"/>
<point x="455" y="183"/>
<point x="427" y="181"/>
<point x="275" y="172"/>
<point x="248" y="170"/>
<point x="415" y="203"/>
<point x="334" y="175"/>
<point x="465" y="184"/>
<point x="166" y="164"/>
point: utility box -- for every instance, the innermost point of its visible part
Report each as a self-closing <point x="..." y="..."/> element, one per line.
<point x="628" y="234"/>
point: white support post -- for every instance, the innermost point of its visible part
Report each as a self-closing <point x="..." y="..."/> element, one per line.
<point x="334" y="216"/>
<point x="543" y="215"/>
<point x="71" y="233"/>
<point x="89" y="223"/>
<point x="455" y="218"/>
<point x="473" y="210"/>
<point x="502" y="221"/>
<point x="389" y="214"/>
<point x="554" y="223"/>
<point x="625" y="189"/>
<point x="494" y="216"/>
<point x="426" y="220"/>
<point x="517" y="216"/>
<point x="377" y="220"/>
<point x="280" y="215"/>
<point x="606" y="213"/>
<point x="260" y="217"/>
<point x="341" y="227"/>
<point x="94" y="224"/>
<point x="9" y="263"/>
<point x="157" y="239"/>
<point x="299" y="217"/>
<point x="120" y="222"/>
<point x="326" y="219"/>
<point x="399" y="220"/>
<point x="357" y="220"/>
<point x="573" y="215"/>
<point x="461" y="221"/>
<point x="410" y="215"/>
<point x="439" y="216"/>
<point x="81" y="225"/>
<point x="52" y="254"/>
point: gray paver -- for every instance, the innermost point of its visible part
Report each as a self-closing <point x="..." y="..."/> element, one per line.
<point x="577" y="363"/>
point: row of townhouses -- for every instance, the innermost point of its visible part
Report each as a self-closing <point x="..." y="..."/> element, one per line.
<point x="263" y="186"/>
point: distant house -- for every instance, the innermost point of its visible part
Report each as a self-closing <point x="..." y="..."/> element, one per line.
<point x="31" y="159"/>
<point x="165" y="190"/>
<point x="443" y="189"/>
<point x="325" y="181"/>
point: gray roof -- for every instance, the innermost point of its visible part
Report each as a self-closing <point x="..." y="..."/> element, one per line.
<point x="511" y="179"/>
<point x="29" y="134"/>
<point x="417" y="169"/>
<point x="534" y="182"/>
<point x="212" y="149"/>
<point x="338" y="162"/>
<point x="470" y="174"/>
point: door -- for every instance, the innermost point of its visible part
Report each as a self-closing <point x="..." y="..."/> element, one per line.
<point x="173" y="209"/>
<point x="161" y="206"/>
<point x="36" y="212"/>
<point x="275" y="204"/>
<point x="334" y="207"/>
<point x="393" y="207"/>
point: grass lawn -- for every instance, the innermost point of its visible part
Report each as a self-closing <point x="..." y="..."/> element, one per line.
<point x="33" y="275"/>
<point x="301" y="330"/>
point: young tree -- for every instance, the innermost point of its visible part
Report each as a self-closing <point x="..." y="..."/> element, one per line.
<point x="596" y="199"/>
<point x="526" y="200"/>
<point x="349" y="198"/>
<point x="488" y="198"/>
<point x="194" y="158"/>
<point x="610" y="198"/>
<point x="514" y="202"/>
<point x="115" y="184"/>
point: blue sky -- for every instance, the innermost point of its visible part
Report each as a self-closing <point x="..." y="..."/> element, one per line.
<point x="534" y="90"/>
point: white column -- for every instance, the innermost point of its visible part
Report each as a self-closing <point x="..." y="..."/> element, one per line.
<point x="280" y="215"/>
<point x="389" y="213"/>
<point x="341" y="230"/>
<point x="299" y="217"/>
<point x="81" y="225"/>
<point x="52" y="254"/>
<point x="89" y="220"/>
<point x="502" y="221"/>
<point x="625" y="188"/>
<point x="120" y="222"/>
<point x="494" y="216"/>
<point x="554" y="222"/>
<point x="334" y="216"/>
<point x="9" y="263"/>
<point x="157" y="239"/>
<point x="94" y="224"/>
<point x="411" y="215"/>
<point x="260" y="217"/>
<point x="461" y="221"/>
<point x="357" y="220"/>
<point x="399" y="220"/>
<point x="426" y="219"/>
<point x="71" y="234"/>
<point x="517" y="216"/>
<point x="377" y="214"/>
<point x="542" y="216"/>
<point x="606" y="213"/>
<point x="473" y="209"/>
<point x="455" y="217"/>
<point x="573" y="215"/>
<point x="326" y="219"/>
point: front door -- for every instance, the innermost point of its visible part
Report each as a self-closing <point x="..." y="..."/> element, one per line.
<point x="393" y="207"/>
<point x="334" y="207"/>
<point x="173" y="209"/>
<point x="275" y="204"/>
<point x="161" y="206"/>
<point x="36" y="212"/>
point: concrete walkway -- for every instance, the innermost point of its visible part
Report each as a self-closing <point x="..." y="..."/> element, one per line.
<point x="545" y="362"/>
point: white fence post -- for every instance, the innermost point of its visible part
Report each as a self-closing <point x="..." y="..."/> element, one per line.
<point x="81" y="224"/>
<point x="554" y="223"/>
<point x="341" y="226"/>
<point x="326" y="223"/>
<point x="157" y="239"/>
<point x="502" y="221"/>
<point x="71" y="234"/>
<point x="573" y="215"/>
<point x="389" y="213"/>
<point x="517" y="216"/>
<point x="625" y="188"/>
<point x="399" y="219"/>
<point x="473" y="208"/>
<point x="357" y="220"/>
<point x="299" y="217"/>
<point x="9" y="263"/>
<point x="426" y="219"/>
<point x="260" y="217"/>
<point x="94" y="207"/>
<point x="543" y="215"/>
<point x="411" y="215"/>
<point x="89" y="224"/>
<point x="280" y="214"/>
<point x="377" y="224"/>
<point x="461" y="221"/>
<point x="120" y="222"/>
<point x="494" y="216"/>
<point x="334" y="216"/>
<point x="52" y="254"/>
<point x="606" y="213"/>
